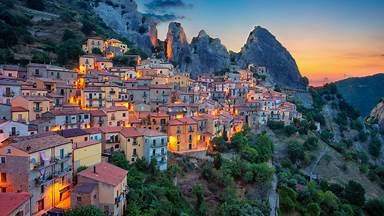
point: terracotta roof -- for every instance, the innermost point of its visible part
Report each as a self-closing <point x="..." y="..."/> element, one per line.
<point x="67" y="112"/>
<point x="116" y="108"/>
<point x="74" y="132"/>
<point x="159" y="114"/>
<point x="210" y="116"/>
<point x="188" y="120"/>
<point x="35" y="143"/>
<point x="175" y="122"/>
<point x="3" y="121"/>
<point x="150" y="133"/>
<point x="107" y="129"/>
<point x="10" y="150"/>
<point x="103" y="173"/>
<point x="85" y="188"/>
<point x="79" y="145"/>
<point x="9" y="202"/>
<point x="130" y="132"/>
<point x="98" y="113"/>
<point x="92" y="130"/>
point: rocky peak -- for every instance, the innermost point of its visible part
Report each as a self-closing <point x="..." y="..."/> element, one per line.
<point x="122" y="17"/>
<point x="202" y="33"/>
<point x="377" y="115"/>
<point x="177" y="47"/>
<point x="263" y="49"/>
<point x="209" y="55"/>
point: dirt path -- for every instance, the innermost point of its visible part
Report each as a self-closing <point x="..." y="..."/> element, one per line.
<point x="273" y="195"/>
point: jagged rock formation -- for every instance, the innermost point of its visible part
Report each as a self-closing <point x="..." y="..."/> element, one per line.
<point x="177" y="47"/>
<point x="203" y="55"/>
<point x="377" y="115"/>
<point x="262" y="48"/>
<point x="122" y="16"/>
<point x="209" y="55"/>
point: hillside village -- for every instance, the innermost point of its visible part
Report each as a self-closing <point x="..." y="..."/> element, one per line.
<point x="59" y="127"/>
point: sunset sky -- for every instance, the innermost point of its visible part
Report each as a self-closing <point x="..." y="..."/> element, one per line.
<point x="328" y="38"/>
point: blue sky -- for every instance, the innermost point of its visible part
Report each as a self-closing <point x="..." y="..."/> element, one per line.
<point x="314" y="31"/>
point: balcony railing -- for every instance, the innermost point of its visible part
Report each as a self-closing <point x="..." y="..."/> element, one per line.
<point x="8" y="94"/>
<point x="37" y="109"/>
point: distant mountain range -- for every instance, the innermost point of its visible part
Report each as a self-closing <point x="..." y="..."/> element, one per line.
<point x="363" y="93"/>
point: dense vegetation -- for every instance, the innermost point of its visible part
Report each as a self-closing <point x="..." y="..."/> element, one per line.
<point x="49" y="31"/>
<point x="362" y="93"/>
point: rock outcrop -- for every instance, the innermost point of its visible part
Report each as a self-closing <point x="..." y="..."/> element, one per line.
<point x="208" y="54"/>
<point x="263" y="49"/>
<point x="377" y="115"/>
<point x="123" y="17"/>
<point x="177" y="48"/>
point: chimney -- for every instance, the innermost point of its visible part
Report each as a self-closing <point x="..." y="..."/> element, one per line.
<point x="94" y="169"/>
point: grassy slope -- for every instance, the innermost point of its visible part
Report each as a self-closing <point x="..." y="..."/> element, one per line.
<point x="47" y="27"/>
<point x="362" y="93"/>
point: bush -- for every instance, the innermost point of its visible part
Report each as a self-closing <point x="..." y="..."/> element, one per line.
<point x="296" y="152"/>
<point x="374" y="147"/>
<point x="313" y="209"/>
<point x="88" y="27"/>
<point x="290" y="130"/>
<point x="374" y="207"/>
<point x="354" y="193"/>
<point x="312" y="143"/>
<point x="274" y="125"/>
<point x="287" y="199"/>
<point x="68" y="34"/>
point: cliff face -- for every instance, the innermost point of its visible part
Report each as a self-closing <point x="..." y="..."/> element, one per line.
<point x="377" y="115"/>
<point x="122" y="16"/>
<point x="177" y="47"/>
<point x="209" y="55"/>
<point x="262" y="48"/>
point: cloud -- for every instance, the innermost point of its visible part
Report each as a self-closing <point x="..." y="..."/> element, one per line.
<point x="164" y="17"/>
<point x="164" y="5"/>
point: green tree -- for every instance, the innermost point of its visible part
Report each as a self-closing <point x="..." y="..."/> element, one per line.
<point x="354" y="193"/>
<point x="217" y="161"/>
<point x="287" y="199"/>
<point x="312" y="143"/>
<point x="68" y="34"/>
<point x="198" y="191"/>
<point x="264" y="147"/>
<point x="88" y="27"/>
<point x="374" y="147"/>
<point x="296" y="152"/>
<point x="88" y="210"/>
<point x="239" y="140"/>
<point x="219" y="144"/>
<point x="118" y="159"/>
<point x="313" y="209"/>
<point x="289" y="130"/>
<point x="374" y="207"/>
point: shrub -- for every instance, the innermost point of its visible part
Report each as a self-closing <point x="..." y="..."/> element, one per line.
<point x="374" y="147"/>
<point x="274" y="125"/>
<point x="354" y="193"/>
<point x="374" y="207"/>
<point x="312" y="143"/>
<point x="296" y="152"/>
<point x="68" y="34"/>
<point x="290" y="130"/>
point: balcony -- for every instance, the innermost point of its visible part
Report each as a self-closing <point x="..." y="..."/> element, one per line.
<point x="37" y="109"/>
<point x="8" y="94"/>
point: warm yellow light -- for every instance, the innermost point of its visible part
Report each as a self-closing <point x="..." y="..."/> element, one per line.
<point x="179" y="116"/>
<point x="172" y="143"/>
<point x="55" y="129"/>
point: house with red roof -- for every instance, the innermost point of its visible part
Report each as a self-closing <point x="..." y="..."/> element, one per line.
<point x="15" y="204"/>
<point x="103" y="185"/>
